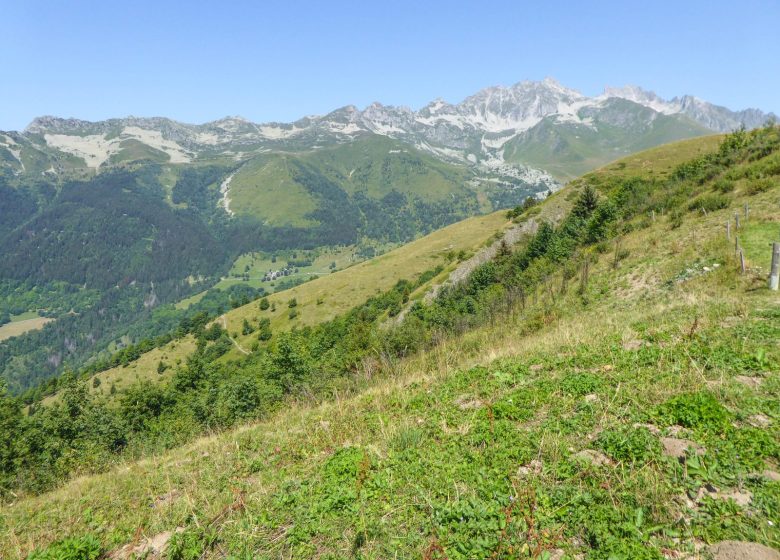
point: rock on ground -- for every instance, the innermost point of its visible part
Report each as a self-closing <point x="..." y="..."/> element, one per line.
<point x="592" y="457"/>
<point x="150" y="547"/>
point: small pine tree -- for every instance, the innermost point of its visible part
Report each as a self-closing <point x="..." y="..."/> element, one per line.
<point x="264" y="305"/>
<point x="586" y="202"/>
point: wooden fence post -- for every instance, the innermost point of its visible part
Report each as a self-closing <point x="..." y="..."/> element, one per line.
<point x="728" y="230"/>
<point x="736" y="221"/>
<point x="736" y="244"/>
<point x="742" y="261"/>
<point x="774" y="273"/>
<point x="747" y="211"/>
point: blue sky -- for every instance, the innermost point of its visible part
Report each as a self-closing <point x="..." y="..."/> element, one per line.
<point x="197" y="61"/>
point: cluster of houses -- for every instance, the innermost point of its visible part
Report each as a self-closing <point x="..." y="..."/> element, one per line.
<point x="272" y="275"/>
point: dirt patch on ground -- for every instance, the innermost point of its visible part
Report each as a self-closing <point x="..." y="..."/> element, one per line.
<point x="760" y="421"/>
<point x="752" y="382"/>
<point x="736" y="550"/>
<point x="674" y="447"/>
<point x="465" y="402"/>
<point x="769" y="474"/>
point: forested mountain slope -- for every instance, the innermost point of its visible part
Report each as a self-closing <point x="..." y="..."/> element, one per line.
<point x="606" y="387"/>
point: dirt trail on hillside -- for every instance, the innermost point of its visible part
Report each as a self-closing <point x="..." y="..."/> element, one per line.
<point x="233" y="340"/>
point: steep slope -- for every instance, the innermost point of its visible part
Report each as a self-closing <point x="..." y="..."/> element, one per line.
<point x="612" y="395"/>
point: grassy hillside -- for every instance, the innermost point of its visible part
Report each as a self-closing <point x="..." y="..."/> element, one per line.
<point x="289" y="189"/>
<point x="623" y="408"/>
<point x="569" y="150"/>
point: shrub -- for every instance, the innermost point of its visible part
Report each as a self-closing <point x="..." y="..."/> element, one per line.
<point x="710" y="203"/>
<point x="723" y="185"/>
<point x="580" y="384"/>
<point x="264" y="305"/>
<point x="760" y="185"/>
<point x="676" y="218"/>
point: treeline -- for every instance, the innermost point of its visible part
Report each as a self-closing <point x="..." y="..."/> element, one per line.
<point x="165" y="324"/>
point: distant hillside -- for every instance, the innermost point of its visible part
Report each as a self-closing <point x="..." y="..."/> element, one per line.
<point x="568" y="150"/>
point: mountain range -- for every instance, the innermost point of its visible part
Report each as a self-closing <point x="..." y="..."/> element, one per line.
<point x="530" y="131"/>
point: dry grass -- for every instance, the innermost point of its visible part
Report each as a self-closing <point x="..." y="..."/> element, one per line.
<point x="15" y="328"/>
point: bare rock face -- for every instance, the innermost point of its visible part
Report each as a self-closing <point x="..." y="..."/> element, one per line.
<point x="737" y="550"/>
<point x="741" y="498"/>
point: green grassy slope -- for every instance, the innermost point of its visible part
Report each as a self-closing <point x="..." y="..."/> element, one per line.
<point x="557" y="429"/>
<point x="269" y="186"/>
<point x="569" y="150"/>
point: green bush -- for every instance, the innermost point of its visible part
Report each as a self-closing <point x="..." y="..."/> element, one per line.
<point x="580" y="384"/>
<point x="758" y="186"/>
<point x="676" y="218"/>
<point x="723" y="185"/>
<point x="710" y="203"/>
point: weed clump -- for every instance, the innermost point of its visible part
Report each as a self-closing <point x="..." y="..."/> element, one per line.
<point x="629" y="445"/>
<point x="86" y="547"/>
<point x="698" y="411"/>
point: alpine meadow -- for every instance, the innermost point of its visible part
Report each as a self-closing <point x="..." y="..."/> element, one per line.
<point x="536" y="323"/>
